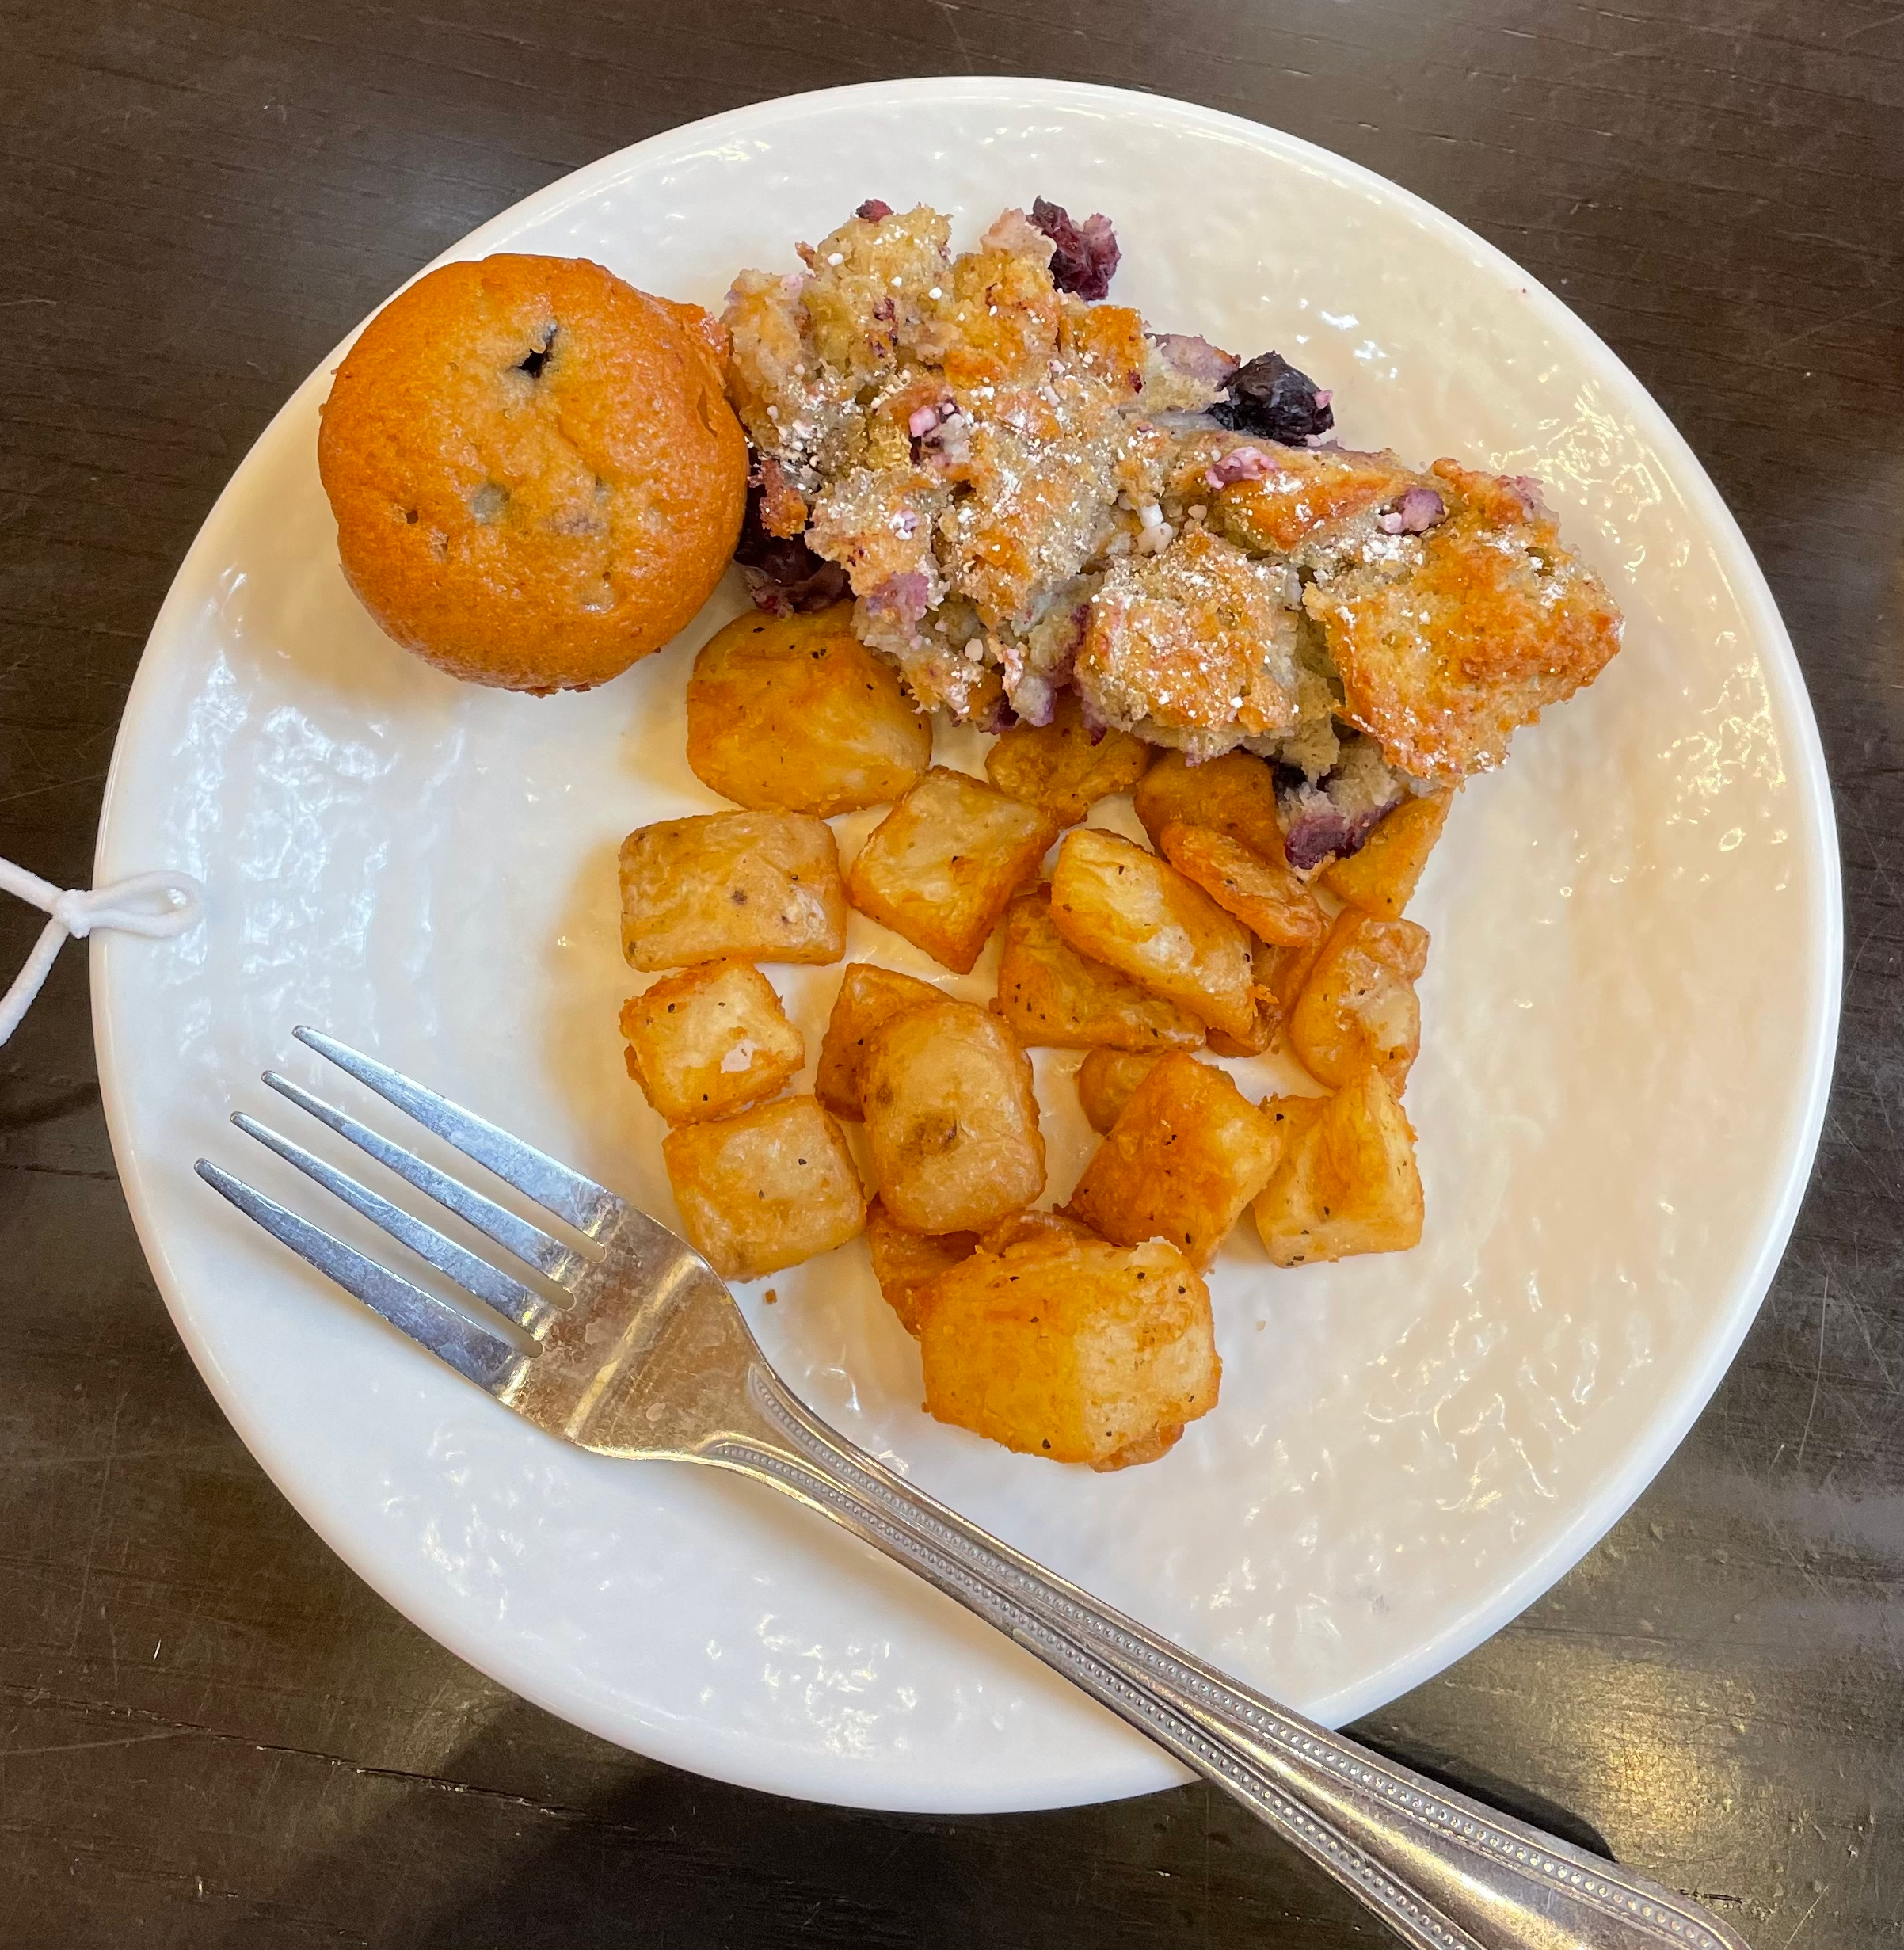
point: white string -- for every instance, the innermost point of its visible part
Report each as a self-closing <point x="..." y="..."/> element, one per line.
<point x="76" y="911"/>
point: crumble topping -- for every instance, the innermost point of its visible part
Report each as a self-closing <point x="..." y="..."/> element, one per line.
<point x="1446" y="641"/>
<point x="1025" y="490"/>
<point x="1193" y="646"/>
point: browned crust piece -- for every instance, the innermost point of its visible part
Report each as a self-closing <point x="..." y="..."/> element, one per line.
<point x="1193" y="648"/>
<point x="536" y="526"/>
<point x="1447" y="643"/>
<point x="1309" y="505"/>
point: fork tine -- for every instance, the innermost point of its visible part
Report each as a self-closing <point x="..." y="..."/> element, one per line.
<point x="585" y="1205"/>
<point x="530" y="1243"/>
<point x="477" y="1353"/>
<point x="529" y="1310"/>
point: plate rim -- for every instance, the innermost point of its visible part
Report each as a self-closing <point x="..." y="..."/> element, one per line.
<point x="1659" y="1438"/>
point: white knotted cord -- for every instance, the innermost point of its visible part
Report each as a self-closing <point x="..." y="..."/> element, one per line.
<point x="76" y="911"/>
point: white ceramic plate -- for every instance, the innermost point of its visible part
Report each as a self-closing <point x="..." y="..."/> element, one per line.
<point x="1629" y="1015"/>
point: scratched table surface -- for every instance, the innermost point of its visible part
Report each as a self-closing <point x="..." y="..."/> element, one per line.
<point x="211" y="1733"/>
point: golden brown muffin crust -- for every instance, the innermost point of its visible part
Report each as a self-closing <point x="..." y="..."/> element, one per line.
<point x="536" y="476"/>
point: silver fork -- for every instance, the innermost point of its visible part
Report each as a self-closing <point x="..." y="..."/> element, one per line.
<point x="649" y="1357"/>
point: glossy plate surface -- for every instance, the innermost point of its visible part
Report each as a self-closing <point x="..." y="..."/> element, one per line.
<point x="1629" y="1014"/>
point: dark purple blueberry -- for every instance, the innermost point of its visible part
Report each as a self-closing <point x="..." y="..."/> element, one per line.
<point x="1315" y="829"/>
<point x="1084" y="255"/>
<point x="1316" y="836"/>
<point x="994" y="716"/>
<point x="1269" y="397"/>
<point x="783" y="575"/>
<point x="872" y="210"/>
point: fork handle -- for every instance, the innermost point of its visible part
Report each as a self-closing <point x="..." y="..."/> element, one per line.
<point x="1443" y="1871"/>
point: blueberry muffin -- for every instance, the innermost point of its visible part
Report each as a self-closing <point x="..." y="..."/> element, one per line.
<point x="536" y="476"/>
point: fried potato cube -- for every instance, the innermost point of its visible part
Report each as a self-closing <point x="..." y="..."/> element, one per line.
<point x="951" y="1118"/>
<point x="766" y="1189"/>
<point x="1056" y="767"/>
<point x="752" y="887"/>
<point x="1105" y="1080"/>
<point x="1189" y="1151"/>
<point x="795" y="712"/>
<point x="1114" y="903"/>
<point x="1259" y="1039"/>
<point x="1266" y="897"/>
<point x="1281" y="973"/>
<point x="710" y="1042"/>
<point x="940" y="866"/>
<point x="868" y="995"/>
<point x="1146" y="1448"/>
<point x="1381" y="878"/>
<point x="1357" y="1005"/>
<point x="906" y="1263"/>
<point x="1234" y="794"/>
<point x="1290" y="1117"/>
<point x="1053" y="997"/>
<point x="1277" y="976"/>
<point x="1347" y="1182"/>
<point x="1016" y="1227"/>
<point x="1072" y="1349"/>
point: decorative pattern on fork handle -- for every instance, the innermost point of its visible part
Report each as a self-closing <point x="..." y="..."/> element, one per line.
<point x="1463" y="1879"/>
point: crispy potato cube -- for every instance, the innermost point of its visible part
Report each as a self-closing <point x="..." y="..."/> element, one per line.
<point x="1072" y="1349"/>
<point x="1272" y="972"/>
<point x="1259" y="1039"/>
<point x="753" y="887"/>
<point x="1056" y="766"/>
<point x="940" y="866"/>
<point x="1105" y="1080"/>
<point x="765" y="1190"/>
<point x="1357" y="1005"/>
<point x="951" y="1118"/>
<point x="1290" y="1117"/>
<point x="1016" y="1227"/>
<point x="1347" y="1182"/>
<point x="1281" y="973"/>
<point x="796" y="712"/>
<point x="1268" y="900"/>
<point x="710" y="1042"/>
<point x="1189" y="1151"/>
<point x="868" y="995"/>
<point x="1115" y="902"/>
<point x="1146" y="1448"/>
<point x="1234" y="794"/>
<point x="906" y="1263"/>
<point x="1053" y="997"/>
<point x="1381" y="878"/>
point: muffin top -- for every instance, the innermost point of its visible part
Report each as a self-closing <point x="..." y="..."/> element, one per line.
<point x="535" y="474"/>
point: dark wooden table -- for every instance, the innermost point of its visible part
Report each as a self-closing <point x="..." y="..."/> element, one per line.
<point x="210" y="1732"/>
